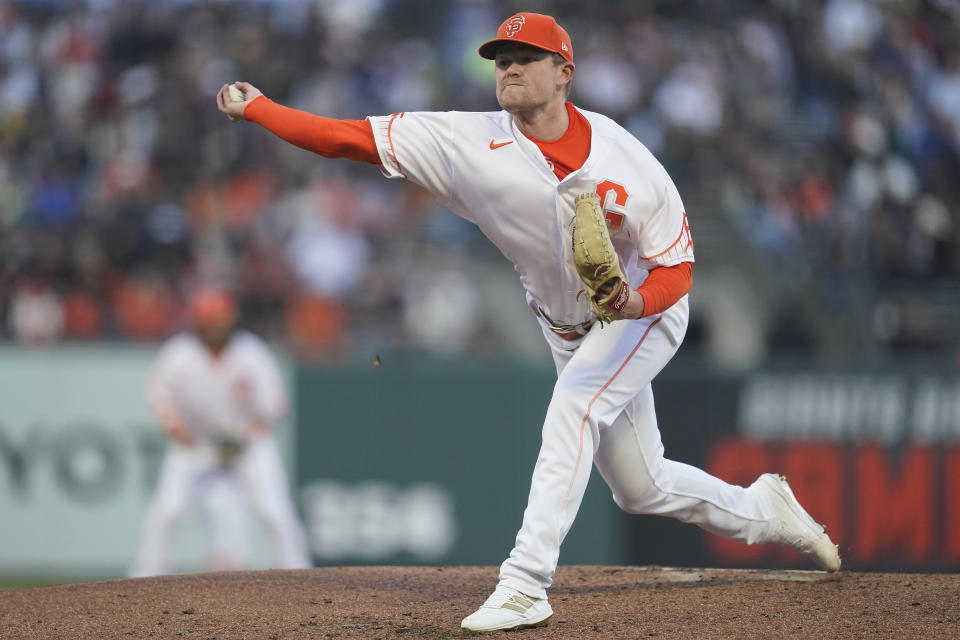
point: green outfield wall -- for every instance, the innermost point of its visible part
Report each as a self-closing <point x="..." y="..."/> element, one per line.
<point x="429" y="461"/>
<point x="417" y="462"/>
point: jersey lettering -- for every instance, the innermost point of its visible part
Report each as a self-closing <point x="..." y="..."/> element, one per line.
<point x="614" y="219"/>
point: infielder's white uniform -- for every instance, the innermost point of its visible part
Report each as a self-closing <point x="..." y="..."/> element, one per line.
<point x="483" y="168"/>
<point x="217" y="396"/>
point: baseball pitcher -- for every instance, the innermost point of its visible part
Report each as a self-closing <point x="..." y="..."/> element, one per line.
<point x="600" y="238"/>
<point x="216" y="391"/>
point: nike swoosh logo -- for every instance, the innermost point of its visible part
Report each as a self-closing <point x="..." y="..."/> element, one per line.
<point x="497" y="145"/>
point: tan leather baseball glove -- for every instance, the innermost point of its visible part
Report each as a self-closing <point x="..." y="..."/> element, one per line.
<point x="596" y="260"/>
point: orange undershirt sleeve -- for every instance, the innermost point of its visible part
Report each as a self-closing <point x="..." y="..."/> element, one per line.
<point x="329" y="137"/>
<point x="664" y="286"/>
<point x="353" y="139"/>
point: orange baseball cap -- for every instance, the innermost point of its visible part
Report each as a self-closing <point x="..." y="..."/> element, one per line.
<point x="212" y="307"/>
<point x="534" y="29"/>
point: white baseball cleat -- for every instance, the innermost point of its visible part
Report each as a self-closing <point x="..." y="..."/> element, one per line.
<point x="508" y="609"/>
<point x="794" y="527"/>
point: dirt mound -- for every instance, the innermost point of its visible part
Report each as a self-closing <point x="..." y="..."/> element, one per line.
<point x="429" y="602"/>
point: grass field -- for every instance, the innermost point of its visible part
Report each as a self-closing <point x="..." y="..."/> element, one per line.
<point x="8" y="583"/>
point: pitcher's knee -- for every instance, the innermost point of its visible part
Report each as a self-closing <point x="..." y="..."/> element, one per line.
<point x="570" y="405"/>
<point x="648" y="491"/>
<point x="570" y="397"/>
<point x="639" y="500"/>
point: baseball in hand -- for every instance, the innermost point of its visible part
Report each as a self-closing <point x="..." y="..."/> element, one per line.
<point x="235" y="94"/>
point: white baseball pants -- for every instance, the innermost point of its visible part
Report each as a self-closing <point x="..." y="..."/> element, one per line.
<point x="602" y="412"/>
<point x="188" y="472"/>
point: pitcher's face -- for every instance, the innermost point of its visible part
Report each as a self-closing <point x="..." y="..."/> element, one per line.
<point x="528" y="78"/>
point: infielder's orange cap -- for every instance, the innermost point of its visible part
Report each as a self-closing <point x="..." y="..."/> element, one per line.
<point x="534" y="29"/>
<point x="212" y="307"/>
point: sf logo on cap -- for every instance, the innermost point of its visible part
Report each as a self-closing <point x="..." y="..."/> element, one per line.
<point x="514" y="25"/>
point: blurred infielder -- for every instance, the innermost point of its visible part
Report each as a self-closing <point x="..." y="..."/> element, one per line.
<point x="544" y="181"/>
<point x="217" y="391"/>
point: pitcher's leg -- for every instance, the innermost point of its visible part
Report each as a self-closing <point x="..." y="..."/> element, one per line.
<point x="593" y="387"/>
<point x="630" y="459"/>
<point x="556" y="490"/>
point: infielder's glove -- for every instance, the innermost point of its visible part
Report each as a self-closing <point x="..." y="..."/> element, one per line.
<point x="596" y="260"/>
<point x="228" y="450"/>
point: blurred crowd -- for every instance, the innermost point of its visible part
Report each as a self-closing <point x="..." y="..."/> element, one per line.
<point x="827" y="133"/>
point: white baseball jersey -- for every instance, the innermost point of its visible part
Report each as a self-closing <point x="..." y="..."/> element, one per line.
<point x="601" y="412"/>
<point x="217" y="395"/>
<point x="483" y="168"/>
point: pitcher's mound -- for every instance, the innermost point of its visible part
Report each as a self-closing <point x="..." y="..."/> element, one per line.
<point x="429" y="602"/>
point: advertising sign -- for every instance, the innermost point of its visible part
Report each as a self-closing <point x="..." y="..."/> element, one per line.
<point x="79" y="456"/>
<point x="874" y="456"/>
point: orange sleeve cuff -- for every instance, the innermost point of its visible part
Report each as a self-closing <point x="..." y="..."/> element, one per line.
<point x="664" y="286"/>
<point x="328" y="137"/>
